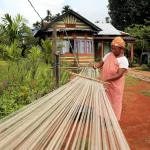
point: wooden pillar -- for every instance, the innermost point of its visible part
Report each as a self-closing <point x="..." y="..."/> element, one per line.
<point x="102" y="49"/>
<point x="57" y="69"/>
<point x="131" y="50"/>
<point x="54" y="38"/>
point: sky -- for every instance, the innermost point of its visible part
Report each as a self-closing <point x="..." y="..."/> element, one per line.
<point x="92" y="10"/>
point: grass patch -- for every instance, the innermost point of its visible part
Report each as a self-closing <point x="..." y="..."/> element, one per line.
<point x="145" y="92"/>
<point x="130" y="81"/>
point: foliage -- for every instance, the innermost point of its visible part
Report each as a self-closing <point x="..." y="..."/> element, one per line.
<point x="47" y="50"/>
<point x="142" y="35"/>
<point x="3" y="36"/>
<point x="34" y="58"/>
<point x="14" y="28"/>
<point x="49" y="16"/>
<point x="145" y="67"/>
<point x="23" y="80"/>
<point x="64" y="75"/>
<point x="127" y="12"/>
<point x="16" y="94"/>
<point x="148" y="65"/>
<point x="107" y="20"/>
<point x="30" y="40"/>
<point x="12" y="52"/>
<point x="37" y="25"/>
<point x="97" y="59"/>
<point x="65" y="9"/>
<point x="96" y="21"/>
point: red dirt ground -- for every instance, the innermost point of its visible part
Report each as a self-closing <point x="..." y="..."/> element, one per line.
<point x="135" y="119"/>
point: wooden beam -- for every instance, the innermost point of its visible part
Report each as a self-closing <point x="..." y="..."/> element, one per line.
<point x="54" y="38"/>
<point x="102" y="49"/>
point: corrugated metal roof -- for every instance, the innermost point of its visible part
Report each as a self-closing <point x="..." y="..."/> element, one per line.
<point x="107" y="29"/>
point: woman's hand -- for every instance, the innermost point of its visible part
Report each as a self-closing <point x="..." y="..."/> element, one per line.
<point x="98" y="65"/>
<point x="104" y="79"/>
<point x="95" y="65"/>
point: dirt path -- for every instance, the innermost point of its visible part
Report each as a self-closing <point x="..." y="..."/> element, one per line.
<point x="135" y="119"/>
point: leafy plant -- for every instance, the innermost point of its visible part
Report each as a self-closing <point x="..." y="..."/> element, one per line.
<point x="47" y="50"/>
<point x="14" y="28"/>
<point x="145" y="67"/>
<point x="12" y="51"/>
<point x="34" y="58"/>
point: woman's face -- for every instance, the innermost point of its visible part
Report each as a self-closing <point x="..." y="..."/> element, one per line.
<point x="116" y="50"/>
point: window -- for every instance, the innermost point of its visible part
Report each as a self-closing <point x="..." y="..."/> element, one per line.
<point x="89" y="47"/>
<point x="63" y="46"/>
<point x="79" y="46"/>
<point x="83" y="46"/>
<point x="71" y="46"/>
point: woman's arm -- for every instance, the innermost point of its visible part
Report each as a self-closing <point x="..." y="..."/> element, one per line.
<point x="119" y="74"/>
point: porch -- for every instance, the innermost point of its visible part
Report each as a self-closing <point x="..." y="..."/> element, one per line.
<point x="102" y="46"/>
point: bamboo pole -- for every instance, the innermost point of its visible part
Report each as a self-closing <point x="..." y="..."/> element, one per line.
<point x="85" y="77"/>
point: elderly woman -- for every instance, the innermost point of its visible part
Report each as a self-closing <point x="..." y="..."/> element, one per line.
<point x="114" y="65"/>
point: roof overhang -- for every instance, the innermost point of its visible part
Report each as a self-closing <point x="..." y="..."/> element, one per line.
<point x="70" y="29"/>
<point x="126" y="38"/>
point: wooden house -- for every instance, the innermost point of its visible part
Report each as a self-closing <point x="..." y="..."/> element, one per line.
<point x="82" y="40"/>
<point x="76" y="35"/>
<point x="102" y="40"/>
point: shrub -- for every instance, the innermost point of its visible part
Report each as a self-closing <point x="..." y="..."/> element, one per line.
<point x="145" y="67"/>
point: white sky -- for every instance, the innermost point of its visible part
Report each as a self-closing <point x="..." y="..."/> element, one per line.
<point x="90" y="9"/>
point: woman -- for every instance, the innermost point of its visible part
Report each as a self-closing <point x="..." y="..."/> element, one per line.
<point x="114" y="65"/>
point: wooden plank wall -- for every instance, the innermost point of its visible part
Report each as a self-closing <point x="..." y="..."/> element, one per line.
<point x="84" y="59"/>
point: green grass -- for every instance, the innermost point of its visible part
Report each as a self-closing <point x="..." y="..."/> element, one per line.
<point x="145" y="92"/>
<point x="130" y="81"/>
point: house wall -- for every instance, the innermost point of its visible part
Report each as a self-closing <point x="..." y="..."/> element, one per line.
<point x="72" y="31"/>
<point x="98" y="48"/>
<point x="106" y="48"/>
<point x="81" y="59"/>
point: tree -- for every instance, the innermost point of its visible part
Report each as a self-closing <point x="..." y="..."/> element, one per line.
<point x="96" y="21"/>
<point x="127" y="12"/>
<point x="49" y="16"/>
<point x="142" y="35"/>
<point x="65" y="9"/>
<point x="57" y="15"/>
<point x="37" y="25"/>
<point x="14" y="28"/>
<point x="107" y="19"/>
